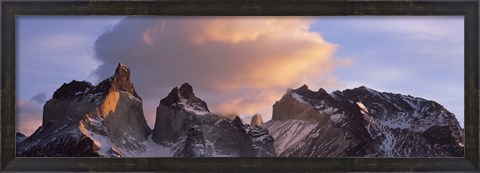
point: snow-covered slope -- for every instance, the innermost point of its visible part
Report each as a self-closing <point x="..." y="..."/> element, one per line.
<point x="372" y="124"/>
<point x="290" y="133"/>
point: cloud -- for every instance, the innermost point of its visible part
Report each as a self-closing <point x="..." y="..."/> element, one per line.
<point x="29" y="116"/>
<point x="57" y="42"/>
<point x="237" y="64"/>
<point x="40" y="98"/>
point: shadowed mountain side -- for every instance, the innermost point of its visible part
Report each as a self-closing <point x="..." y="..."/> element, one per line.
<point x="183" y="119"/>
<point x="362" y="122"/>
<point x="86" y="120"/>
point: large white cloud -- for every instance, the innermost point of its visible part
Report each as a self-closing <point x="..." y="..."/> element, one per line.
<point x="236" y="64"/>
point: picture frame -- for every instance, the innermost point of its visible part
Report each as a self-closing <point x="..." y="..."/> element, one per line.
<point x="468" y="8"/>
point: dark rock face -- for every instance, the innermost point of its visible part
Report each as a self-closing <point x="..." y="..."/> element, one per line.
<point x="118" y="82"/>
<point x="181" y="110"/>
<point x="19" y="137"/>
<point x="235" y="138"/>
<point x="71" y="143"/>
<point x="444" y="140"/>
<point x="172" y="122"/>
<point x="73" y="89"/>
<point x="362" y="122"/>
<point x="183" y="97"/>
<point x="195" y="144"/>
<point x="258" y="140"/>
<point x="177" y="113"/>
<point x="86" y="120"/>
<point x="261" y="142"/>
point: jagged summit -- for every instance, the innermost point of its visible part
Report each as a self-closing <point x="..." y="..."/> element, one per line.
<point x="120" y="81"/>
<point x="122" y="70"/>
<point x="304" y="91"/>
<point x="186" y="91"/>
<point x="178" y="95"/>
<point x="86" y="120"/>
<point x="172" y="97"/>
<point x="72" y="89"/>
<point x="363" y="90"/>
<point x="184" y="123"/>
<point x="304" y="87"/>
<point x="367" y="123"/>
<point x="238" y="122"/>
<point x="363" y="87"/>
<point x="185" y="99"/>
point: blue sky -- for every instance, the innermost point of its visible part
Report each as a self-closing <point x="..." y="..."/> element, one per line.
<point x="419" y="56"/>
<point x="52" y="51"/>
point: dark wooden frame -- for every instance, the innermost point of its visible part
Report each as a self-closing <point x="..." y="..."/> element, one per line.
<point x="468" y="9"/>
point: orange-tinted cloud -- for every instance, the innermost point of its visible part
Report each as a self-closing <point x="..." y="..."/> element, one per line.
<point x="238" y="64"/>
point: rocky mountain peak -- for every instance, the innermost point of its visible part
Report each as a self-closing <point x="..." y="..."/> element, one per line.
<point x="102" y="120"/>
<point x="303" y="87"/>
<point x="186" y="91"/>
<point x="372" y="124"/>
<point x="72" y="89"/>
<point x="238" y="122"/>
<point x="305" y="92"/>
<point x="120" y="81"/>
<point x="195" y="144"/>
<point x="122" y="70"/>
<point x="178" y="95"/>
<point x="362" y="91"/>
<point x="257" y="120"/>
<point x="363" y="87"/>
<point x="185" y="98"/>
<point x="172" y="97"/>
<point x="184" y="123"/>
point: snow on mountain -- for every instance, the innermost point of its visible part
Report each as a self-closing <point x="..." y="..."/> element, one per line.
<point x="371" y="123"/>
<point x="192" y="131"/>
<point x="298" y="97"/>
<point x="290" y="133"/>
<point x="86" y="120"/>
<point x="107" y="120"/>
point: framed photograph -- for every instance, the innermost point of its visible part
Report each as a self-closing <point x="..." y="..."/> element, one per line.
<point x="239" y="86"/>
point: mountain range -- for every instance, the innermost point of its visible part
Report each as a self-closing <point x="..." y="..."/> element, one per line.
<point x="107" y="120"/>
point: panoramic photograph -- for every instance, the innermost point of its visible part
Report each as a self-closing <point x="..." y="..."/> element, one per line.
<point x="194" y="86"/>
